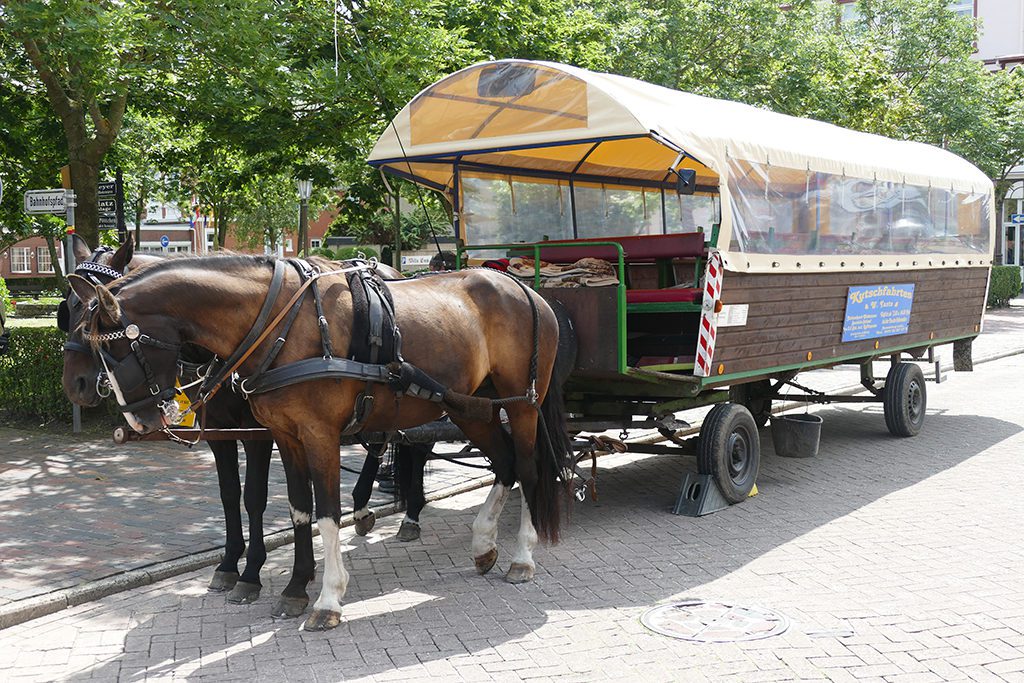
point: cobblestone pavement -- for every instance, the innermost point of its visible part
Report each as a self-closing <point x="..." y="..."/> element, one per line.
<point x="894" y="559"/>
<point x="73" y="511"/>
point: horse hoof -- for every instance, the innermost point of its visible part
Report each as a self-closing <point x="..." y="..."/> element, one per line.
<point x="409" y="531"/>
<point x="222" y="581"/>
<point x="365" y="524"/>
<point x="244" y="593"/>
<point x="288" y="607"/>
<point x="485" y="562"/>
<point x="519" y="573"/>
<point x="322" y="620"/>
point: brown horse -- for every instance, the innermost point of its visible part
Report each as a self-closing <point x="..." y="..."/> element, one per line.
<point x="472" y="331"/>
<point x="226" y="411"/>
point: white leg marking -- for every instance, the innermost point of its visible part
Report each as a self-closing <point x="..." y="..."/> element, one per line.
<point x="485" y="526"/>
<point x="361" y="512"/>
<point x="527" y="534"/>
<point x="335" y="576"/>
<point x="298" y="516"/>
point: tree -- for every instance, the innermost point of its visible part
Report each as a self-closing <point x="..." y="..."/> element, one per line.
<point x="92" y="57"/>
<point x="141" y="152"/>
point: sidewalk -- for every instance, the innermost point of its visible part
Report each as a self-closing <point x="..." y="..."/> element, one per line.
<point x="76" y="512"/>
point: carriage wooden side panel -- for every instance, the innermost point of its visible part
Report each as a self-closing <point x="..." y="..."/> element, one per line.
<point x="793" y="315"/>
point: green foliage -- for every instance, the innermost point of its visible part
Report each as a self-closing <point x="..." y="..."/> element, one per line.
<point x="6" y="307"/>
<point x="345" y="253"/>
<point x="30" y="375"/>
<point x="1004" y="284"/>
<point x="326" y="252"/>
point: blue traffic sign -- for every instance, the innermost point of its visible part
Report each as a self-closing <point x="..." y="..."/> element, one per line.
<point x="1017" y="217"/>
<point x="164" y="240"/>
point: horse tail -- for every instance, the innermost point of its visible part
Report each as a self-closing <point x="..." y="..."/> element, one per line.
<point x="554" y="447"/>
<point x="403" y="471"/>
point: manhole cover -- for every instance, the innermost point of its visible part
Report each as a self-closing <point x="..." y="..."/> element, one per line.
<point x="714" y="622"/>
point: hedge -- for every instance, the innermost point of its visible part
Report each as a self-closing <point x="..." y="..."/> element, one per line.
<point x="30" y="375"/>
<point x="1004" y="284"/>
<point x="5" y="299"/>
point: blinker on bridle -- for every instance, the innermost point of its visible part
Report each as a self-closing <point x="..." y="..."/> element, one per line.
<point x="134" y="370"/>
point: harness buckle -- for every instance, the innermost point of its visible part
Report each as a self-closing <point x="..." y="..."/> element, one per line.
<point x="531" y="393"/>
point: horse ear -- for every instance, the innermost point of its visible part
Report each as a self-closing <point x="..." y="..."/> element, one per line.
<point x="80" y="249"/>
<point x="108" y="304"/>
<point x="123" y="256"/>
<point x="85" y="290"/>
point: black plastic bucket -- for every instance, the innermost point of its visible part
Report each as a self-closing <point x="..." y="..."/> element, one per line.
<point x="796" y="436"/>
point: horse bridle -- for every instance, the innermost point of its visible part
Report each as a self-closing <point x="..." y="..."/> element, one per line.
<point x="130" y="372"/>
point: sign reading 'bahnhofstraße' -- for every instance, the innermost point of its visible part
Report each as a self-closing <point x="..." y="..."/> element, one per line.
<point x="876" y="311"/>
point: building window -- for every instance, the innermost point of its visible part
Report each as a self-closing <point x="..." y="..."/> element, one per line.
<point x="314" y="244"/>
<point x="43" y="262"/>
<point x="288" y="245"/>
<point x="21" y="260"/>
<point x="964" y="8"/>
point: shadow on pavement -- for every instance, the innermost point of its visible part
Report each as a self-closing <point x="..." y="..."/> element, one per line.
<point x="410" y="603"/>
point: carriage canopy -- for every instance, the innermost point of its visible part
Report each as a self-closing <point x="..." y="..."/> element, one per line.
<point x="531" y="150"/>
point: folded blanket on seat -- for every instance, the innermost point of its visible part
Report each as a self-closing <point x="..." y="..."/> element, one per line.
<point x="587" y="272"/>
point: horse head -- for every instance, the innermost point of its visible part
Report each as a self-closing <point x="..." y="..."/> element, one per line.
<point x="138" y="355"/>
<point x="83" y="379"/>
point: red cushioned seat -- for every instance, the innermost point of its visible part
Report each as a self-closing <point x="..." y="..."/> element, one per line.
<point x="676" y="295"/>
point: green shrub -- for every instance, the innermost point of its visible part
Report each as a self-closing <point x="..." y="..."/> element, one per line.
<point x="344" y="253"/>
<point x="30" y="375"/>
<point x="5" y="298"/>
<point x="1004" y="284"/>
<point x="323" y="251"/>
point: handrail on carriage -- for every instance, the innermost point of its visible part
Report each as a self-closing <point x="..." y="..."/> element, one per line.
<point x="620" y="318"/>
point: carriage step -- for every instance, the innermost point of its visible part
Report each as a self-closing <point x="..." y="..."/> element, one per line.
<point x="699" y="496"/>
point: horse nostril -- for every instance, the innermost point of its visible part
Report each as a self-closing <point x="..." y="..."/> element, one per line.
<point x="80" y="385"/>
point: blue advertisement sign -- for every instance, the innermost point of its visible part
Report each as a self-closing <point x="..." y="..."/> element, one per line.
<point x="877" y="311"/>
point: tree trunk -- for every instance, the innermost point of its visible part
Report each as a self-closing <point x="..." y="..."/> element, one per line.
<point x="222" y="228"/>
<point x="85" y="176"/>
<point x="60" y="282"/>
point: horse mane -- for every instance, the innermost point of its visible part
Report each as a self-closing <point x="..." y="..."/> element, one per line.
<point x="220" y="262"/>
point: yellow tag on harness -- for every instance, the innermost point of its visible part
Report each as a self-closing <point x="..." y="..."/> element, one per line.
<point x="188" y="419"/>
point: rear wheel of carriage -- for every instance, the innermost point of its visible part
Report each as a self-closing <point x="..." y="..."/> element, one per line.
<point x="730" y="450"/>
<point x="904" y="399"/>
<point x="756" y="396"/>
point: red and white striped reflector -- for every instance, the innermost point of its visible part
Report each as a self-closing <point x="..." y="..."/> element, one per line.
<point x="706" y="336"/>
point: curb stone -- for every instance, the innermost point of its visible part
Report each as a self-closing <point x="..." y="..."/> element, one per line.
<point x="49" y="603"/>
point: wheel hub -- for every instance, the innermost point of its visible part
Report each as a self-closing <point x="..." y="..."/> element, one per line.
<point x="914" y="401"/>
<point x="739" y="455"/>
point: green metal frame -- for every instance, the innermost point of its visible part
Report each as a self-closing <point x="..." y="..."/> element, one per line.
<point x="620" y="317"/>
<point x="709" y="382"/>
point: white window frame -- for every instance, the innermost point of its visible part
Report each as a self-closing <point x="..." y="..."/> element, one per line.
<point x="43" y="262"/>
<point x="314" y="244"/>
<point x="964" y="8"/>
<point x="21" y="260"/>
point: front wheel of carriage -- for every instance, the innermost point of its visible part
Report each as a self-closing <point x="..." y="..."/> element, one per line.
<point x="730" y="450"/>
<point x="904" y="399"/>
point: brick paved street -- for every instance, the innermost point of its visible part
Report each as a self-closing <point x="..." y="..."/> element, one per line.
<point x="74" y="511"/>
<point x="894" y="559"/>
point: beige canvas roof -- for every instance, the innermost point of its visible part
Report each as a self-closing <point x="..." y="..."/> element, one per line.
<point x="565" y="104"/>
<point x="546" y="117"/>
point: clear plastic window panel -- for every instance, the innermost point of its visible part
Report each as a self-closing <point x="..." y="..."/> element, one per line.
<point x="789" y="211"/>
<point x="610" y="211"/>
<point x="691" y="213"/>
<point x="499" y="210"/>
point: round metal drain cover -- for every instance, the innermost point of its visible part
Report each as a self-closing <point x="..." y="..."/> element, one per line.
<point x="714" y="622"/>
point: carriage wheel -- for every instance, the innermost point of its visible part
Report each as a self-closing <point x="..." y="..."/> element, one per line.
<point x="730" y="450"/>
<point x="904" y="399"/>
<point x="756" y="396"/>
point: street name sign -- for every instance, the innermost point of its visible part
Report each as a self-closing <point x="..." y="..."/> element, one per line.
<point x="45" y="201"/>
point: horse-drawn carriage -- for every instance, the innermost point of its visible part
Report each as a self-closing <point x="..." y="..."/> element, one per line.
<point x="698" y="252"/>
<point x="741" y="246"/>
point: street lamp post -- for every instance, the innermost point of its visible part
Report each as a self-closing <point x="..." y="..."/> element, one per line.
<point x="305" y="188"/>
